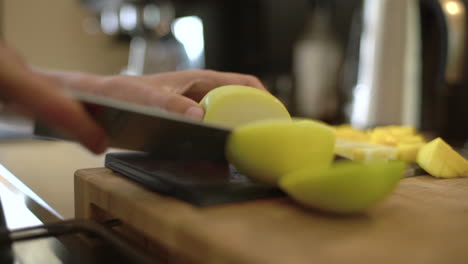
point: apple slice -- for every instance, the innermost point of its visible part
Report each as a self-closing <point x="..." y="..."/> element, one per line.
<point x="440" y="160"/>
<point x="235" y="105"/>
<point x="345" y="187"/>
<point x="267" y="150"/>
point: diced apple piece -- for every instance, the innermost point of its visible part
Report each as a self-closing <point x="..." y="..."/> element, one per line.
<point x="382" y="137"/>
<point x="400" y="130"/>
<point x="347" y="132"/>
<point x="234" y="105"/>
<point x="414" y="139"/>
<point x="267" y="150"/>
<point x="394" y="135"/>
<point x="345" y="187"/>
<point x="409" y="152"/>
<point x="441" y="160"/>
<point x="362" y="151"/>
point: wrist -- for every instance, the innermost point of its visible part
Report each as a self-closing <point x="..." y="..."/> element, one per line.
<point x="69" y="80"/>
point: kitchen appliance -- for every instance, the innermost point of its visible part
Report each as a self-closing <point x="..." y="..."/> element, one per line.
<point x="411" y="66"/>
<point x="445" y="69"/>
<point x="317" y="51"/>
<point x="157" y="40"/>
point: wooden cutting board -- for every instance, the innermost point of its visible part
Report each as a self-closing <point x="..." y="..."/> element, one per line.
<point x="424" y="221"/>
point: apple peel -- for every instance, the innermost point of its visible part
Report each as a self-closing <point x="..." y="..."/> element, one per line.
<point x="346" y="187"/>
<point x="267" y="150"/>
<point x="234" y="105"/>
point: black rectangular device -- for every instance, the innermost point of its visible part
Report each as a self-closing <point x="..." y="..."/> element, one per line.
<point x="199" y="182"/>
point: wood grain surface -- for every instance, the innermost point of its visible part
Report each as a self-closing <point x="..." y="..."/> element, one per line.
<point x="424" y="221"/>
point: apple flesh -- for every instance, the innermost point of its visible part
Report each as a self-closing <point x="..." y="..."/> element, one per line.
<point x="440" y="160"/>
<point x="364" y="151"/>
<point x="346" y="187"/>
<point x="267" y="150"/>
<point x="408" y="152"/>
<point x="234" y="105"/>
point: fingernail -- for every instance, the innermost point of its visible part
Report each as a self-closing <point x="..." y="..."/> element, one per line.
<point x="195" y="113"/>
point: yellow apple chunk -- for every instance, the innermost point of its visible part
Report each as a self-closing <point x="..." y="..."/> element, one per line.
<point x="363" y="151"/>
<point x="408" y="151"/>
<point x="267" y="150"/>
<point x="349" y="133"/>
<point x="346" y="187"/>
<point x="441" y="160"/>
<point x="235" y="105"/>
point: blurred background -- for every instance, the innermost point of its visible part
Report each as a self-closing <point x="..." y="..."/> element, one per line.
<point x="363" y="62"/>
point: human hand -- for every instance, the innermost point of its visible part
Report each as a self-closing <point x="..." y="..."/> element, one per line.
<point x="177" y="92"/>
<point x="39" y="93"/>
<point x="41" y="97"/>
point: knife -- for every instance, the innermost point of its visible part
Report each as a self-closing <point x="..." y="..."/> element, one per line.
<point x="148" y="129"/>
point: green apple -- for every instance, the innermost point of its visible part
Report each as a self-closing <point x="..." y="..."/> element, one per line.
<point x="234" y="105"/>
<point x="266" y="150"/>
<point x="345" y="187"/>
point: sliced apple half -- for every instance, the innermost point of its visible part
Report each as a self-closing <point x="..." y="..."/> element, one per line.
<point x="267" y="150"/>
<point x="346" y="187"/>
<point x="235" y="105"/>
<point x="441" y="160"/>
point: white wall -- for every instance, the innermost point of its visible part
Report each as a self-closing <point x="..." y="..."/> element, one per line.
<point x="49" y="33"/>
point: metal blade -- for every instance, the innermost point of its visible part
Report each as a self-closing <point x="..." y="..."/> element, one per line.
<point x="149" y="129"/>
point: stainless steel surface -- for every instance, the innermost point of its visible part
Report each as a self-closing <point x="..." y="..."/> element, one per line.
<point x="37" y="234"/>
<point x="16" y="195"/>
<point x="409" y="66"/>
<point x="13" y="126"/>
<point x="149" y="129"/>
<point x="455" y="15"/>
<point x="84" y="227"/>
<point x="387" y="89"/>
<point x="20" y="206"/>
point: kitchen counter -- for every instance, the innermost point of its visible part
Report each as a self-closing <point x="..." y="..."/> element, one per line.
<point x="423" y="221"/>
<point x="45" y="166"/>
<point x="39" y="235"/>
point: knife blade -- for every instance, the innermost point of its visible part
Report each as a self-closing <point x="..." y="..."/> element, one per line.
<point x="148" y="129"/>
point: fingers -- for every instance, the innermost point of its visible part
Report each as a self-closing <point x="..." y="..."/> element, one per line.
<point x="178" y="104"/>
<point x="131" y="90"/>
<point x="41" y="98"/>
<point x="69" y="116"/>
<point x="206" y="80"/>
<point x="228" y="78"/>
<point x="176" y="92"/>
